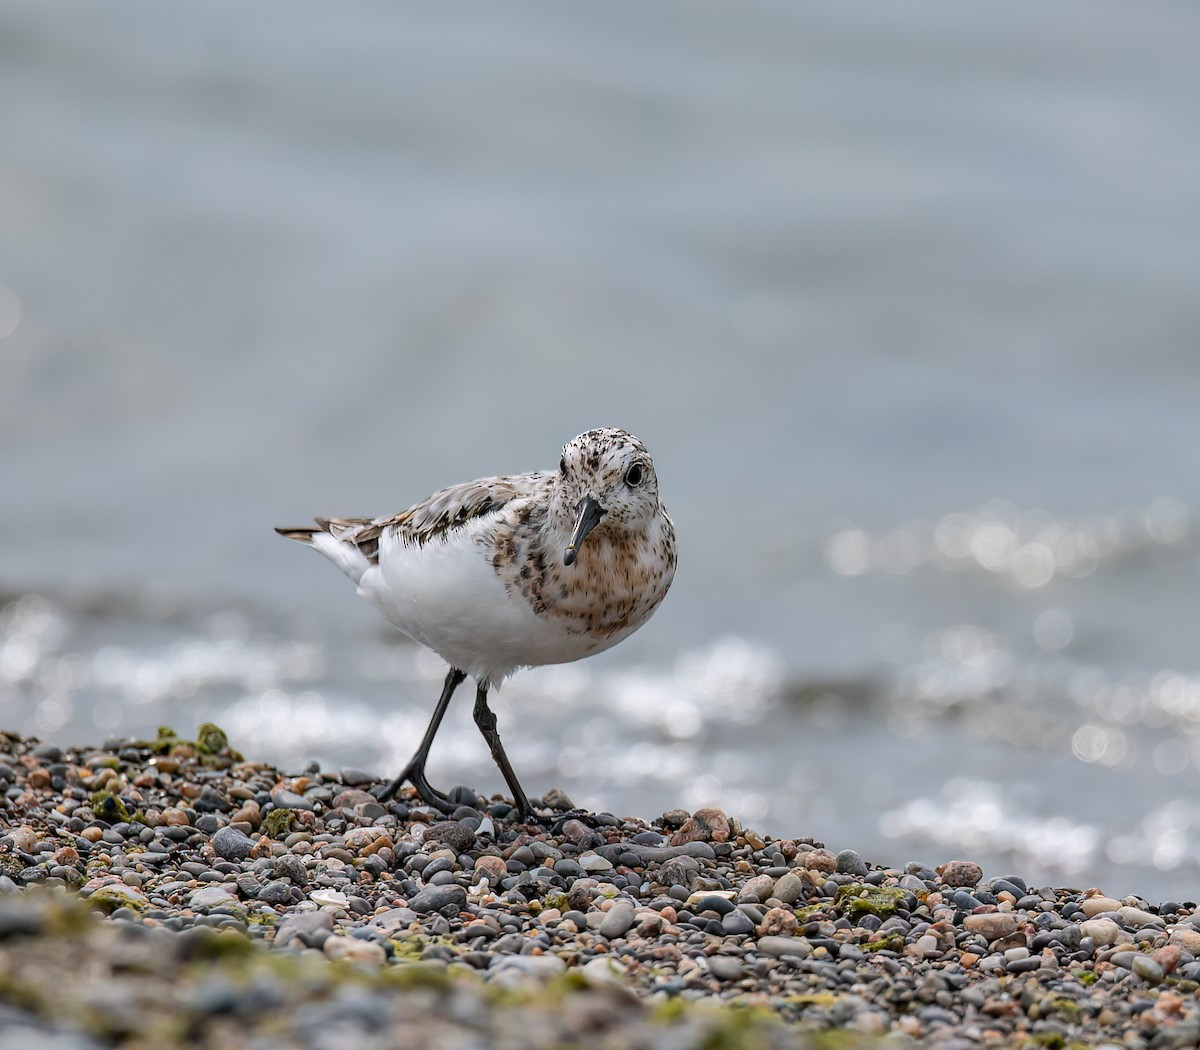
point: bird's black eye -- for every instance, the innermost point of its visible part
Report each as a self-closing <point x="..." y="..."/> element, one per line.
<point x="634" y="475"/>
<point x="562" y="466"/>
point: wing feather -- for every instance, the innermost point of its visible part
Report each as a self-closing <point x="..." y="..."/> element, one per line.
<point x="442" y="512"/>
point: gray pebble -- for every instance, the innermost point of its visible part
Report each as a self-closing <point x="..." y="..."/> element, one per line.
<point x="305" y="926"/>
<point x="657" y="854"/>
<point x="453" y="833"/>
<point x="617" y="920"/>
<point x="395" y="919"/>
<point x="1147" y="969"/>
<point x="211" y="897"/>
<point x="17" y="918"/>
<point x="232" y="844"/>
<point x="289" y="866"/>
<point x="788" y="889"/>
<point x="277" y="891"/>
<point x="439" y="899"/>
<point x="850" y="863"/>
<point x="726" y="967"/>
<point x="1034" y="962"/>
<point x="737" y="923"/>
<point x="721" y="905"/>
<point x="285" y="799"/>
<point x="780" y="946"/>
<point x="679" y="871"/>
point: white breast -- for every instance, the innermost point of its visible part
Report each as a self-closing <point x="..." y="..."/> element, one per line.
<point x="446" y="596"/>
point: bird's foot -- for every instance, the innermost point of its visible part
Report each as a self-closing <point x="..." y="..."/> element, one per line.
<point x="414" y="773"/>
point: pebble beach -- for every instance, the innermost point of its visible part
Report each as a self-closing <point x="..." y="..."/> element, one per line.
<point x="172" y="892"/>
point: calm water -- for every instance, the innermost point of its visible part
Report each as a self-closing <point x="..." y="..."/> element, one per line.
<point x="904" y="302"/>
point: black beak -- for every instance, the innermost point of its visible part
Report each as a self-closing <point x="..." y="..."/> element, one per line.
<point x="589" y="514"/>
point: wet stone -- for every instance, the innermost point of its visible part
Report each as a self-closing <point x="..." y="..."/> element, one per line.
<point x="309" y="927"/>
<point x="454" y="834"/>
<point x="780" y="946"/>
<point x="991" y="925"/>
<point x="711" y="902"/>
<point x="277" y="891"/>
<point x="441" y="899"/>
<point x="960" y="873"/>
<point x="617" y="921"/>
<point x="705" y="825"/>
<point x="788" y="888"/>
<point x="850" y="863"/>
<point x="232" y="844"/>
<point x="291" y="867"/>
<point x="1148" y="969"/>
<point x="285" y="799"/>
<point x="737" y="923"/>
<point x="213" y="897"/>
<point x="726" y="967"/>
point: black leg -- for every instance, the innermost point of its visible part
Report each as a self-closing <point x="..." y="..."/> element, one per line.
<point x="415" y="770"/>
<point x="486" y="720"/>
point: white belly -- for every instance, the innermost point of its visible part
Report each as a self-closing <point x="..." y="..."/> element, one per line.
<point x="446" y="596"/>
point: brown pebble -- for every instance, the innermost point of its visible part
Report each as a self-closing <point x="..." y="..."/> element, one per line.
<point x="576" y="831"/>
<point x="991" y="926"/>
<point x="352" y="797"/>
<point x="492" y="867"/>
<point x="1187" y="937"/>
<point x="249" y="813"/>
<point x="1167" y="957"/>
<point x="759" y="887"/>
<point x="960" y="873"/>
<point x="557" y="799"/>
<point x="705" y="825"/>
<point x="820" y="860"/>
<point x="651" y="925"/>
<point x="381" y="843"/>
<point x="778" y="922"/>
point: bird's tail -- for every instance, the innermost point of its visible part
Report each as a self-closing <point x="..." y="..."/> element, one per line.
<point x="304" y="535"/>
<point x="352" y="544"/>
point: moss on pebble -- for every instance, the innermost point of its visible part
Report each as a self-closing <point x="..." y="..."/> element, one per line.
<point x="278" y="823"/>
<point x="858" y="898"/>
<point x="111" y="807"/>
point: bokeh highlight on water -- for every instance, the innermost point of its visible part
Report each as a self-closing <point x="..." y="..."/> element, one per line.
<point x="903" y="301"/>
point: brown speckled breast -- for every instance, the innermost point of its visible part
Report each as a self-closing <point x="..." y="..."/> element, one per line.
<point x="617" y="581"/>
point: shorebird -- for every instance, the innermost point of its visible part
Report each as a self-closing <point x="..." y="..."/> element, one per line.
<point x="515" y="571"/>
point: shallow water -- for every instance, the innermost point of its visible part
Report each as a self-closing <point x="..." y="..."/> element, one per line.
<point x="904" y="306"/>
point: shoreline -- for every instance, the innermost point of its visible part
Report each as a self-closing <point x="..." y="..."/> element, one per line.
<point x="241" y="902"/>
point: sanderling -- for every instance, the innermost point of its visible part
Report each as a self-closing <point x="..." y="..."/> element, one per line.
<point x="516" y="571"/>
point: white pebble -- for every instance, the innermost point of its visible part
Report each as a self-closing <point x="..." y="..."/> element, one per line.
<point x="1095" y="905"/>
<point x="1102" y="931"/>
<point x="352" y="950"/>
<point x="594" y="862"/>
<point x="1137" y="917"/>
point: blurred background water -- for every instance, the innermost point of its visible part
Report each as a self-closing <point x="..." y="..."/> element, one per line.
<point x="903" y="298"/>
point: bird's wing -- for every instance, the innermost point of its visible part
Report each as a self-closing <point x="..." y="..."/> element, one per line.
<point x="444" y="511"/>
